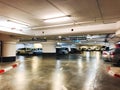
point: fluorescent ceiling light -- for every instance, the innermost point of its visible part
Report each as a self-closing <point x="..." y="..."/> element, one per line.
<point x="11" y="24"/>
<point x="58" y="19"/>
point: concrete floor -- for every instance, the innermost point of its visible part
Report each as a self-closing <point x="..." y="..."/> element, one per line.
<point x="69" y="72"/>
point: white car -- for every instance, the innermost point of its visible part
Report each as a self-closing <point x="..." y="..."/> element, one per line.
<point x="27" y="51"/>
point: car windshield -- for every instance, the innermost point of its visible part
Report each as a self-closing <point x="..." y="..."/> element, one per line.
<point x="24" y="49"/>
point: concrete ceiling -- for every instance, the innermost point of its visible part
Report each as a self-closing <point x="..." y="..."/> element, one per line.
<point x="33" y="12"/>
<point x="82" y="12"/>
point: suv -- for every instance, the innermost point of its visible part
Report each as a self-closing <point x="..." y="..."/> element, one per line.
<point x="25" y="51"/>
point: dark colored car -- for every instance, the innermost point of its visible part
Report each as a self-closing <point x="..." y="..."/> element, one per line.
<point x="116" y="57"/>
<point x="62" y="51"/>
<point x="74" y="50"/>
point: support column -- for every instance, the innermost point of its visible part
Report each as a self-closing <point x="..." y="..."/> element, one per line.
<point x="117" y="33"/>
<point x="8" y="51"/>
<point x="8" y="48"/>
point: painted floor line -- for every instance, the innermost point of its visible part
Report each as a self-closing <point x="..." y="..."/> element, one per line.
<point x="112" y="73"/>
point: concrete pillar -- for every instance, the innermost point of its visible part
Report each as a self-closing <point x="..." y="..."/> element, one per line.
<point x="8" y="49"/>
<point x="117" y="33"/>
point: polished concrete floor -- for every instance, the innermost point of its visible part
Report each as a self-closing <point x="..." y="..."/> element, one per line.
<point x="85" y="71"/>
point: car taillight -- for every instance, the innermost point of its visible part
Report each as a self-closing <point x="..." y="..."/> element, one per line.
<point x="104" y="53"/>
<point x="112" y="53"/>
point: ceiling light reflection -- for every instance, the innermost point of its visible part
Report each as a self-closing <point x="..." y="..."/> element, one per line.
<point x="97" y="60"/>
<point x="20" y="80"/>
<point x="92" y="72"/>
<point x="58" y="78"/>
<point x="58" y="65"/>
<point x="80" y="66"/>
<point x="35" y="64"/>
<point x="87" y="56"/>
<point x="80" y="63"/>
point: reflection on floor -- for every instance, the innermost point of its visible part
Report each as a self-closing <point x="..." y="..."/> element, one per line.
<point x="64" y="72"/>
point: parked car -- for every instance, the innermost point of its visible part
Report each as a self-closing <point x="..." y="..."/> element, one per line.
<point x="97" y="49"/>
<point x="112" y="55"/>
<point x="74" y="50"/>
<point x="116" y="57"/>
<point x="83" y="49"/>
<point x="25" y="51"/>
<point x="62" y="51"/>
<point x="108" y="54"/>
<point x="37" y="51"/>
<point x="103" y="48"/>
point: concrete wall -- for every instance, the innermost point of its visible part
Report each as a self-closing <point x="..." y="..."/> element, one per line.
<point x="49" y="47"/>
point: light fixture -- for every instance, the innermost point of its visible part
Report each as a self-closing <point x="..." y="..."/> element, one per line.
<point x="59" y="37"/>
<point x="13" y="24"/>
<point x="58" y="19"/>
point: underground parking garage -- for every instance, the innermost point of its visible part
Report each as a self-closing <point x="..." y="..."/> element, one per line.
<point x="61" y="50"/>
